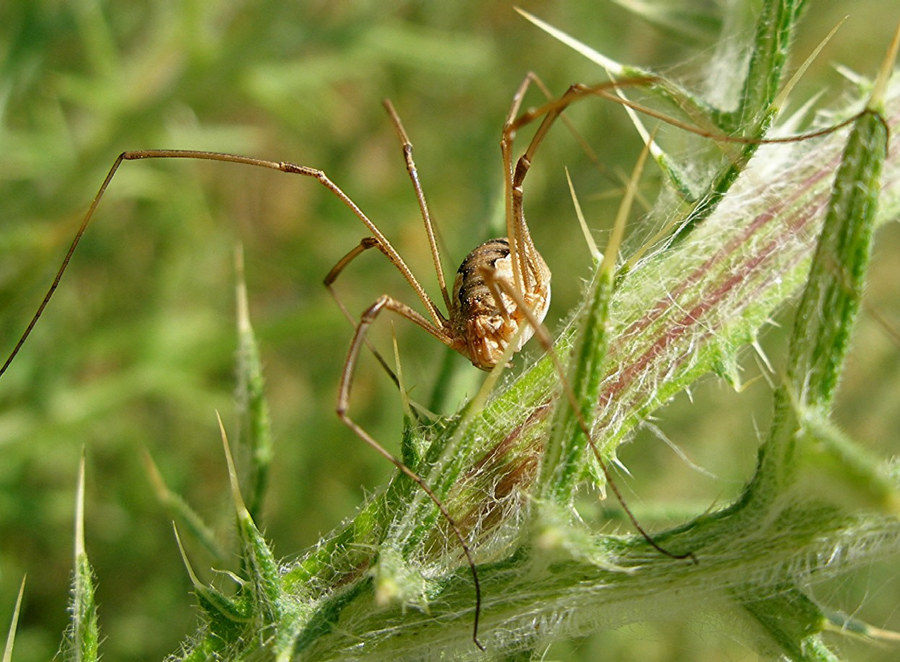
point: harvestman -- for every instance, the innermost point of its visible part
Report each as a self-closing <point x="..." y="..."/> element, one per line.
<point x="501" y="292"/>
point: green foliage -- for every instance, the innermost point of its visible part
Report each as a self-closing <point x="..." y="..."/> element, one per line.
<point x="127" y="358"/>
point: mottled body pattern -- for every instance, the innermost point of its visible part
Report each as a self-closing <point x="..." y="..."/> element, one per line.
<point x="484" y="318"/>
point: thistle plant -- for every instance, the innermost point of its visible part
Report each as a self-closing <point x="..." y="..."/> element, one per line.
<point x="775" y="220"/>
<point x="749" y="227"/>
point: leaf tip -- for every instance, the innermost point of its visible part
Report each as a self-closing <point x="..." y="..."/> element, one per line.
<point x="239" y="504"/>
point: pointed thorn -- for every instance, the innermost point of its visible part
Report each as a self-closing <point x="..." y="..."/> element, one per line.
<point x="187" y="564"/>
<point x="79" y="510"/>
<point x="14" y="623"/>
<point x="239" y="504"/>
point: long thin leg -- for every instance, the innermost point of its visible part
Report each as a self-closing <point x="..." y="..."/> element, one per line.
<point x="282" y="166"/>
<point x="582" y="143"/>
<point x="365" y="244"/>
<point x="607" y="91"/>
<point x="411" y="169"/>
<point x="525" y="256"/>
<point x="526" y="261"/>
<point x="514" y="231"/>
<point x="385" y="302"/>
<point x="420" y="197"/>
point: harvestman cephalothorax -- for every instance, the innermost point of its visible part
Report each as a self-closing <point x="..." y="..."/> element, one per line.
<point x="501" y="291"/>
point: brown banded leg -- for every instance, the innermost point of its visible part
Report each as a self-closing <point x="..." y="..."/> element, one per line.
<point x="407" y="147"/>
<point x="365" y="244"/>
<point x="281" y="166"/>
<point x="368" y="317"/>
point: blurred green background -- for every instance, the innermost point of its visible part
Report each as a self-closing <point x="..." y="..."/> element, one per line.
<point x="136" y="352"/>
